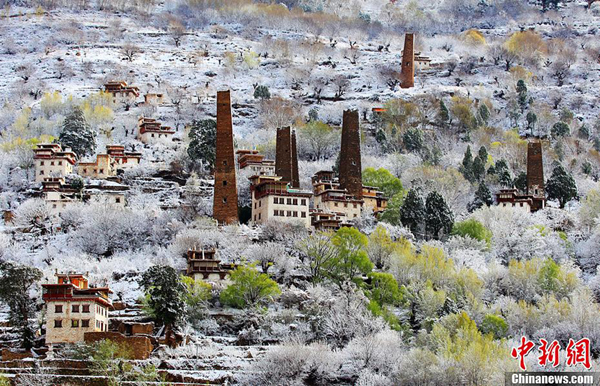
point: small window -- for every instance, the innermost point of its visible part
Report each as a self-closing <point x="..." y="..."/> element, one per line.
<point x="85" y="308"/>
<point x="118" y="200"/>
<point x="303" y="201"/>
<point x="355" y="206"/>
<point x="58" y="324"/>
<point x="54" y="206"/>
<point x="289" y="213"/>
<point x="345" y="204"/>
<point x="255" y="206"/>
<point x="225" y="163"/>
<point x="289" y="201"/>
<point x="101" y="171"/>
<point x="224" y="183"/>
<point x="60" y="163"/>
<point x="41" y="163"/>
<point x="303" y="214"/>
<point x="41" y="172"/>
<point x="335" y="204"/>
<point x="85" y="323"/>
<point x="275" y="200"/>
<point x="58" y="308"/>
<point x="259" y="216"/>
<point x="152" y="135"/>
<point x="74" y="323"/>
<point x="224" y="200"/>
<point x="51" y="163"/>
<point x="295" y="201"/>
<point x="75" y="308"/>
<point x="84" y="170"/>
<point x="260" y="204"/>
<point x="295" y="214"/>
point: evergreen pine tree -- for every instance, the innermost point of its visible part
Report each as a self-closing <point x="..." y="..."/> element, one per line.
<point x="522" y="92"/>
<point x="412" y="212"/>
<point x="521" y="182"/>
<point x="483" y="154"/>
<point x="444" y="115"/>
<point x="483" y="196"/>
<point x="467" y="165"/>
<point x="77" y="133"/>
<point x="15" y="283"/>
<point x="503" y="173"/>
<point x="164" y="294"/>
<point x="484" y="113"/>
<point x="478" y="169"/>
<point x="561" y="186"/>
<point x="203" y="138"/>
<point x="531" y="121"/>
<point x="439" y="219"/>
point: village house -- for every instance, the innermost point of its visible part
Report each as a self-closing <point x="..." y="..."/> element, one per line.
<point x="255" y="162"/>
<point x="103" y="167"/>
<point x="513" y="199"/>
<point x="203" y="265"/>
<point x="121" y="92"/>
<point x="274" y="199"/>
<point x="150" y="131"/>
<point x="73" y="308"/>
<point x="154" y="98"/>
<point x="374" y="199"/>
<point x="59" y="196"/>
<point x="51" y="161"/>
<point x="123" y="159"/>
<point x="329" y="197"/>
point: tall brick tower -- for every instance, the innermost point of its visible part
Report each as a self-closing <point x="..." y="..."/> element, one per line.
<point x="350" y="163"/>
<point x="225" y="201"/>
<point x="283" y="154"/>
<point x="407" y="73"/>
<point x="295" y="174"/>
<point x="535" y="175"/>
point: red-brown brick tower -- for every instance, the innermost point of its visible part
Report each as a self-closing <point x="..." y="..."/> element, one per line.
<point x="407" y="73"/>
<point x="350" y="163"/>
<point x="283" y="154"/>
<point x="295" y="174"/>
<point x="535" y="174"/>
<point x="225" y="202"/>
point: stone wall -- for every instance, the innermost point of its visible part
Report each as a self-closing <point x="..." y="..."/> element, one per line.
<point x="141" y="346"/>
<point x="225" y="204"/>
<point x="350" y="157"/>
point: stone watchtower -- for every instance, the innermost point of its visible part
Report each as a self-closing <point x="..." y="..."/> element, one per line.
<point x="225" y="201"/>
<point x="407" y="73"/>
<point x="350" y="162"/>
<point x="286" y="157"/>
<point x="535" y="174"/>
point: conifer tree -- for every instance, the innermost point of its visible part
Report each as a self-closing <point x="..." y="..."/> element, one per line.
<point x="483" y="196"/>
<point x="439" y="219"/>
<point x="77" y="133"/>
<point x="561" y="186"/>
<point x="412" y="212"/>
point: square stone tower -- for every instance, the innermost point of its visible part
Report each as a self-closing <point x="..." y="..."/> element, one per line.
<point x="535" y="170"/>
<point x="225" y="201"/>
<point x="407" y="72"/>
<point x="283" y="154"/>
<point x="350" y="158"/>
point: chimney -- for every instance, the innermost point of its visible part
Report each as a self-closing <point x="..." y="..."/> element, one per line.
<point x="350" y="169"/>
<point x="407" y="72"/>
<point x="225" y="201"/>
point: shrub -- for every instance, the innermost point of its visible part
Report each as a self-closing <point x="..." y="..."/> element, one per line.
<point x="248" y="288"/>
<point x="473" y="229"/>
<point x="495" y="325"/>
